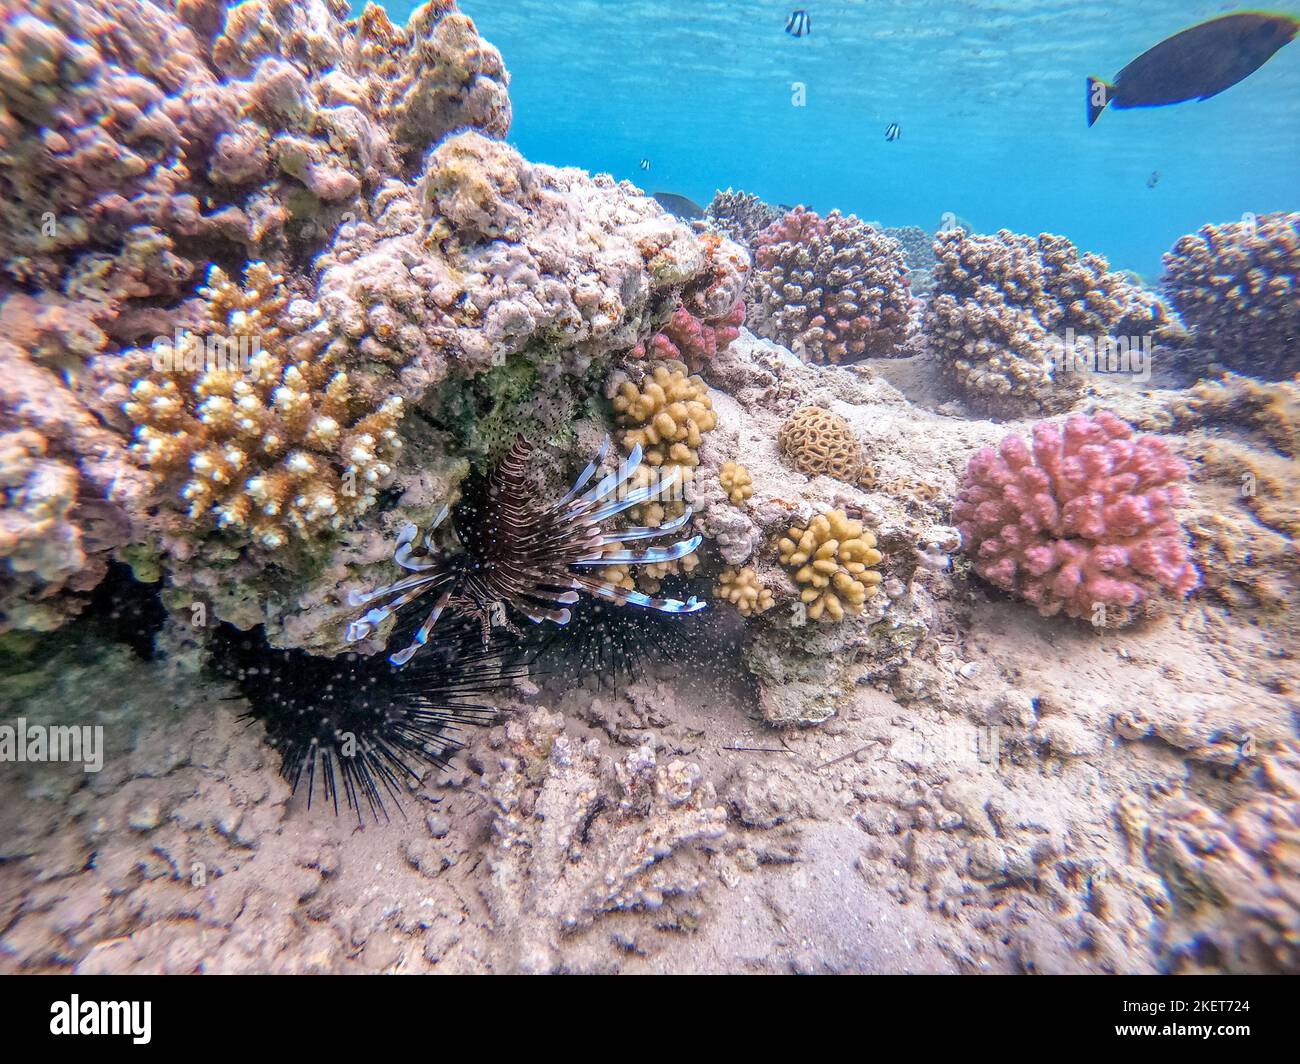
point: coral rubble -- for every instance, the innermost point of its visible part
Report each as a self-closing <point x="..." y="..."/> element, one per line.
<point x="1083" y="522"/>
<point x="833" y="289"/>
<point x="1235" y="286"/>
<point x="576" y="835"/>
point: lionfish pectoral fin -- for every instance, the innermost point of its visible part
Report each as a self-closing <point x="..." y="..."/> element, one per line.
<point x="586" y="474"/>
<point x="615" y="479"/>
<point x="632" y="498"/>
<point x="422" y="636"/>
<point x="560" y="617"/>
<point x="650" y="556"/>
<point x="624" y="535"/>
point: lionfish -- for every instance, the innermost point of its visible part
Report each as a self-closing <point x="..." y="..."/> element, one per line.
<point x="515" y="555"/>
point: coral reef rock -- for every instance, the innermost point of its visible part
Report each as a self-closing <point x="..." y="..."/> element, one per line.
<point x="333" y="196"/>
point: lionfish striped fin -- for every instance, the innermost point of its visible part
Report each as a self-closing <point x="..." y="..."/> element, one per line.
<point x="586" y="474"/>
<point x="650" y="556"/>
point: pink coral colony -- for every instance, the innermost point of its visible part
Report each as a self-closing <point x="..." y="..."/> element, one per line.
<point x="1083" y="518"/>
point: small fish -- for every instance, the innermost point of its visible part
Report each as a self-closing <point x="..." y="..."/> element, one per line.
<point x="799" y="23"/>
<point x="1151" y="181"/>
<point x="645" y="164"/>
<point x="686" y="210"/>
<point x="1197" y="63"/>
<point x="893" y="131"/>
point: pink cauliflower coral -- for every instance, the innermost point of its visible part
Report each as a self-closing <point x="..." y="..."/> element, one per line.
<point x="692" y="340"/>
<point x="1084" y="519"/>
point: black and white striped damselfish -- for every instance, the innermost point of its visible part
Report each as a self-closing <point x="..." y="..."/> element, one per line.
<point x="514" y="556"/>
<point x="1197" y="63"/>
<point x="799" y="24"/>
<point x="893" y="131"/>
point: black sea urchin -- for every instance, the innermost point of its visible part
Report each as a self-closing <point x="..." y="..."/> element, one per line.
<point x="516" y="555"/>
<point x="360" y="718"/>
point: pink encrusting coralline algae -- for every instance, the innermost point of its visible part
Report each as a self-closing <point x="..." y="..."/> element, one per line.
<point x="1083" y="519"/>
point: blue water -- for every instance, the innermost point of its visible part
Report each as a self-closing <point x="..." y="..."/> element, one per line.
<point x="989" y="95"/>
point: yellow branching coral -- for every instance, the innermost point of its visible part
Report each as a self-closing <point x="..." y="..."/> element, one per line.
<point x="736" y="482"/>
<point x="743" y="589"/>
<point x="831" y="560"/>
<point x="667" y="414"/>
<point x="271" y="436"/>
<point x="820" y="443"/>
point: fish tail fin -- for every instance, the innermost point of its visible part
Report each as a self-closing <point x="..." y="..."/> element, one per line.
<point x="1098" y="97"/>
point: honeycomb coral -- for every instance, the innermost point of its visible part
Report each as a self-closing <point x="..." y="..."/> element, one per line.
<point x="667" y="414"/>
<point x="820" y="443"/>
<point x="1235" y="286"/>
<point x="1083" y="523"/>
<point x="271" y="436"/>
<point x="831" y="289"/>
<point x="1001" y="309"/>
<point x="831" y="560"/>
<point x="736" y="482"/>
<point x="743" y="589"/>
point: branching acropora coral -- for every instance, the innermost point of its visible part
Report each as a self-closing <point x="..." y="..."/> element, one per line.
<point x="831" y="560"/>
<point x="270" y="436"/>
<point x="820" y="443"/>
<point x="1235" y="285"/>
<point x="832" y="289"/>
<point x="736" y="482"/>
<point x="744" y="590"/>
<point x="1082" y="523"/>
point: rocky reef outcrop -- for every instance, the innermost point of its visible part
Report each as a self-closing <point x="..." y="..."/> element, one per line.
<point x="263" y="236"/>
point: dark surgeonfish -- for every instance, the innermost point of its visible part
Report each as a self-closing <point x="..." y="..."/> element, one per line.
<point x="893" y="131"/>
<point x="1197" y="63"/>
<point x="799" y="23"/>
<point x="686" y="210"/>
<point x="1151" y="181"/>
